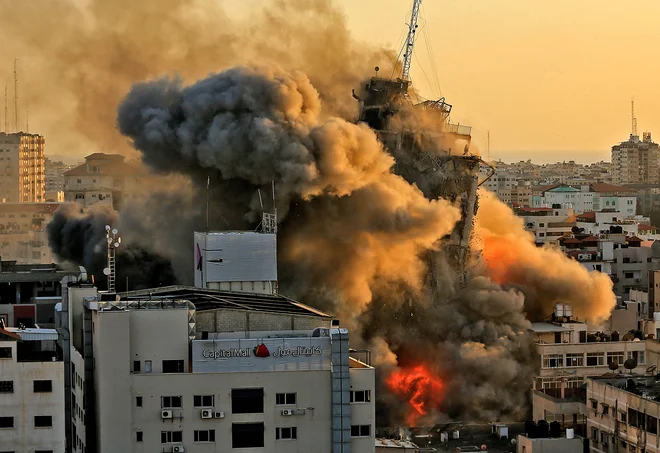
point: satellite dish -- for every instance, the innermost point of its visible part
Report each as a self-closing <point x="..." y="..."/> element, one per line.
<point x="630" y="364"/>
<point x="115" y="231"/>
<point x="119" y="240"/>
<point x="116" y="244"/>
<point x="109" y="240"/>
<point x="106" y="271"/>
<point x="613" y="365"/>
<point x="484" y="447"/>
<point x="651" y="369"/>
<point x="107" y="228"/>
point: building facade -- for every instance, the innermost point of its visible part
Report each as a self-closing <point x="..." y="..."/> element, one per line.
<point x="31" y="391"/>
<point x="22" y="167"/>
<point x="623" y="413"/>
<point x="636" y="161"/>
<point x="222" y="371"/>
<point x="54" y="180"/>
<point x="23" y="235"/>
<point x="104" y="179"/>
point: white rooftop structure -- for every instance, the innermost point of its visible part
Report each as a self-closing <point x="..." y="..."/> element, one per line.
<point x="34" y="334"/>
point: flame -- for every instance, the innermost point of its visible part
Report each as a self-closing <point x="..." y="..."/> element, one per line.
<point x="418" y="385"/>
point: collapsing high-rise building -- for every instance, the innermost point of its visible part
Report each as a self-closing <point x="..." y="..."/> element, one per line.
<point x="429" y="150"/>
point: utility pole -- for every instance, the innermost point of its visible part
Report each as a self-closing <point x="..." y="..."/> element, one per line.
<point x="6" y="117"/>
<point x="634" y="120"/>
<point x="16" y="94"/>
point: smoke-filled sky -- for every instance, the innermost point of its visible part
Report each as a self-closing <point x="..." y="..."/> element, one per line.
<point x="547" y="77"/>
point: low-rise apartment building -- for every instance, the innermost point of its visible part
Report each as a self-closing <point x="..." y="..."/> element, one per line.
<point x="623" y="412"/>
<point x="31" y="391"/>
<point x="569" y="353"/>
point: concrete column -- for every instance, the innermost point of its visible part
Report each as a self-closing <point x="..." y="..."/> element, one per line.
<point x="563" y="388"/>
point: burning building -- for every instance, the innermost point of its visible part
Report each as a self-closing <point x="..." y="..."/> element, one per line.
<point x="377" y="222"/>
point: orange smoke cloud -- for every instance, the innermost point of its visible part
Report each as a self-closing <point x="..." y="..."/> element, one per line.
<point x="423" y="391"/>
<point x="545" y="275"/>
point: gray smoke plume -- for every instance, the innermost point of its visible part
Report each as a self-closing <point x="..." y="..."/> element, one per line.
<point x="356" y="238"/>
<point x="80" y="238"/>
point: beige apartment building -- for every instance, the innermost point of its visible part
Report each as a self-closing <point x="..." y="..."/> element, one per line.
<point x="636" y="161"/>
<point x="23" y="232"/>
<point x="569" y="353"/>
<point x="31" y="391"/>
<point x="104" y="179"/>
<point x="22" y="166"/>
<point x="623" y="412"/>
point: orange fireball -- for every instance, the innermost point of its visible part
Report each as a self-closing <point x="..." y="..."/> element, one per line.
<point x="423" y="391"/>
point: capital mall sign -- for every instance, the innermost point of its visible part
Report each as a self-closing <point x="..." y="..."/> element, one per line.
<point x="261" y="351"/>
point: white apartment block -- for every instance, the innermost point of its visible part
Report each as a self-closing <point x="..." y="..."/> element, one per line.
<point x="22" y="168"/>
<point x="196" y="370"/>
<point x="588" y="198"/>
<point x="32" y="396"/>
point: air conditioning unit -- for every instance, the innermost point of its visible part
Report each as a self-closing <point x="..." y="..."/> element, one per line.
<point x="287" y="412"/>
<point x="178" y="449"/>
<point x="218" y="414"/>
<point x="207" y="413"/>
<point x="166" y="413"/>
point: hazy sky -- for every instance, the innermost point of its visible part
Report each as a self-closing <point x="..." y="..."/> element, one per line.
<point x="542" y="76"/>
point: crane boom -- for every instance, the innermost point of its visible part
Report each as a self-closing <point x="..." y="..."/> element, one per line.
<point x="410" y="40"/>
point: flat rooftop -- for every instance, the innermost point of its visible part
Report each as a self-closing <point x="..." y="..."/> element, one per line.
<point x="647" y="387"/>
<point x="208" y="299"/>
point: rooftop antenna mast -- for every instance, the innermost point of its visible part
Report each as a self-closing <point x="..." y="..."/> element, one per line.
<point x="6" y="110"/>
<point x="16" y="94"/>
<point x="410" y="40"/>
<point x="488" y="147"/>
<point x="113" y="242"/>
<point x="634" y="120"/>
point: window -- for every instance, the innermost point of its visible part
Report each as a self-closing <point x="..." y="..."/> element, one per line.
<point x="138" y="401"/>
<point x="43" y="451"/>
<point x="604" y="438"/>
<point x="606" y="409"/>
<point x="285" y="398"/>
<point x="169" y="402"/>
<point x="203" y="400"/>
<point x="172" y="366"/>
<point x="169" y="437"/>
<point x="594" y="434"/>
<point x="360" y="430"/>
<point x="638" y="356"/>
<point x="615" y="357"/>
<point x="624" y="417"/>
<point x="136" y="366"/>
<point x="553" y="361"/>
<point x="43" y="421"/>
<point x="206" y="435"/>
<point x="6" y="386"/>
<point x="5" y="353"/>
<point x="43" y="386"/>
<point x="594" y="405"/>
<point x="247" y="435"/>
<point x="286" y="433"/>
<point x="6" y="422"/>
<point x="541" y="225"/>
<point x="595" y="359"/>
<point x="147" y="366"/>
<point x="629" y="275"/>
<point x="360" y="396"/>
<point x="138" y="436"/>
<point x="574" y="359"/>
<point x="247" y="401"/>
